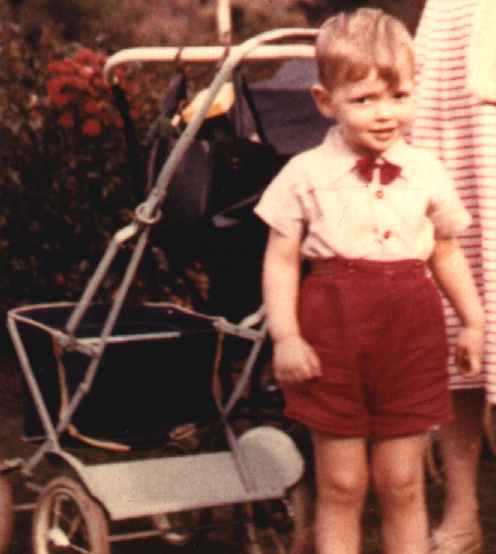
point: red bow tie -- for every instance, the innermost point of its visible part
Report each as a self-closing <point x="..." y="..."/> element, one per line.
<point x="387" y="170"/>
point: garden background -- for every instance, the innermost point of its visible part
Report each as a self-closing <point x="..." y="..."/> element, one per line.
<point x="66" y="180"/>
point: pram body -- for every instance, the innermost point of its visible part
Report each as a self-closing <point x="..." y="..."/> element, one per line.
<point x="164" y="353"/>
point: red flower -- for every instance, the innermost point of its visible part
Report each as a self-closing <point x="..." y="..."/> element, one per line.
<point x="92" y="127"/>
<point x="66" y="120"/>
<point x="87" y="71"/>
<point x="55" y="94"/>
<point x="61" y="90"/>
<point x="77" y="82"/>
<point x="118" y="122"/>
<point x="128" y="87"/>
<point x="99" y="82"/>
<point x="65" y="66"/>
<point x="85" y="56"/>
<point x="119" y="74"/>
<point x="92" y="107"/>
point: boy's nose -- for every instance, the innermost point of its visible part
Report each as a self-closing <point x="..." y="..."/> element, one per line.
<point x="384" y="109"/>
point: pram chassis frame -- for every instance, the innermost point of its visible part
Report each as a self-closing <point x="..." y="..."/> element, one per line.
<point x="93" y="348"/>
<point x="265" y="461"/>
<point x="148" y="213"/>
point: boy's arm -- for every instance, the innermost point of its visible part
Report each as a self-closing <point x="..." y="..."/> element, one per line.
<point x="452" y="273"/>
<point x="294" y="359"/>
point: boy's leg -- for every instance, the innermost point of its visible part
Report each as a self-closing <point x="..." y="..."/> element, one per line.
<point x="398" y="477"/>
<point x="342" y="482"/>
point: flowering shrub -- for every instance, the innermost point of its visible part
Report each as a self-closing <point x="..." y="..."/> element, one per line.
<point x="65" y="179"/>
<point x="65" y="184"/>
<point x="79" y="96"/>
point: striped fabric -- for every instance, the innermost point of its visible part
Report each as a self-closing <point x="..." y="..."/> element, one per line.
<point x="462" y="131"/>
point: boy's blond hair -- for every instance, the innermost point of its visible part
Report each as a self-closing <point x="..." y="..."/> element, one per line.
<point x="349" y="45"/>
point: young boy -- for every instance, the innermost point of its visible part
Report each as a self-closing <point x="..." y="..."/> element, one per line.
<point x="360" y="344"/>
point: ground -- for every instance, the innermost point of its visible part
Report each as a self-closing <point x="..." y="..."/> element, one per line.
<point x="11" y="446"/>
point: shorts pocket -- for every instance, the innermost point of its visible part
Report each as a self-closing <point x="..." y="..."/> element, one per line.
<point x="320" y="314"/>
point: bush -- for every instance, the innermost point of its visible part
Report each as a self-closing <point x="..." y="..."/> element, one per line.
<point x="65" y="180"/>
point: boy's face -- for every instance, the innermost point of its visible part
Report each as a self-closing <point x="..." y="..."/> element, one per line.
<point x="372" y="116"/>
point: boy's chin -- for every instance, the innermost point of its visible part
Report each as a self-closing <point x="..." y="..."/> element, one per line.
<point x="370" y="150"/>
<point x="376" y="149"/>
<point x="371" y="147"/>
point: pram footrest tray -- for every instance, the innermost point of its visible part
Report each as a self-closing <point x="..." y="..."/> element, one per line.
<point x="202" y="480"/>
<point x="166" y="485"/>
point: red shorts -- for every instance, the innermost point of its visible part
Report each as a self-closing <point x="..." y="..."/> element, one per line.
<point x="379" y="330"/>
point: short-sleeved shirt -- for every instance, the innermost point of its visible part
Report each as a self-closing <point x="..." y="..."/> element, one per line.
<point x="320" y="198"/>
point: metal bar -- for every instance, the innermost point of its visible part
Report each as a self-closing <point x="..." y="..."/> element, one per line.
<point x="149" y="209"/>
<point x="33" y="487"/>
<point x="157" y="194"/>
<point x="246" y="477"/>
<point x="246" y="373"/>
<point x="26" y="507"/>
<point x="108" y="326"/>
<point x="205" y="54"/>
<point x="96" y="280"/>
<point x="35" y="459"/>
<point x="224" y="27"/>
<point x="93" y="342"/>
<point x="32" y="383"/>
<point x="238" y="331"/>
<point x="124" y="537"/>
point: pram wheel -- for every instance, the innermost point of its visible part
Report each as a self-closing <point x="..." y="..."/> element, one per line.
<point x="6" y="515"/>
<point x="283" y="525"/>
<point x="66" y="519"/>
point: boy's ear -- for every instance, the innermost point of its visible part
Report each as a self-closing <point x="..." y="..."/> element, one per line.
<point x="323" y="100"/>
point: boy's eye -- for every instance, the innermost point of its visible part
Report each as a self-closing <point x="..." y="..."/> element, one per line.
<point x="402" y="94"/>
<point x="361" y="100"/>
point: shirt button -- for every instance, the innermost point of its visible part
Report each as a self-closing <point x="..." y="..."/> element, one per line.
<point x="379" y="193"/>
<point x="387" y="234"/>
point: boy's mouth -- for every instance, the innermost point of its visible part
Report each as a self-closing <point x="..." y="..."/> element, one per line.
<point x="383" y="134"/>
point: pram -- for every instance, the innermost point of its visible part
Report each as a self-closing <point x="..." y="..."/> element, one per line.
<point x="78" y="358"/>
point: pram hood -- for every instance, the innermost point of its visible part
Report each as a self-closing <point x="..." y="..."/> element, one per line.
<point x="285" y="104"/>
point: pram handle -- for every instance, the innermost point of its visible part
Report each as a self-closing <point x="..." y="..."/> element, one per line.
<point x="148" y="210"/>
<point x="235" y="57"/>
<point x="206" y="54"/>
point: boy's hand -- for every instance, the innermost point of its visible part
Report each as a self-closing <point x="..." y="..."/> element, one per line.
<point x="295" y="360"/>
<point x="468" y="351"/>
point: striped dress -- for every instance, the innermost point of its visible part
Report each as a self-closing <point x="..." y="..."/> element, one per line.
<point x="461" y="129"/>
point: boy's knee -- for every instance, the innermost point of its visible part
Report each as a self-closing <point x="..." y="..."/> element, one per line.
<point x="345" y="487"/>
<point x="401" y="486"/>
